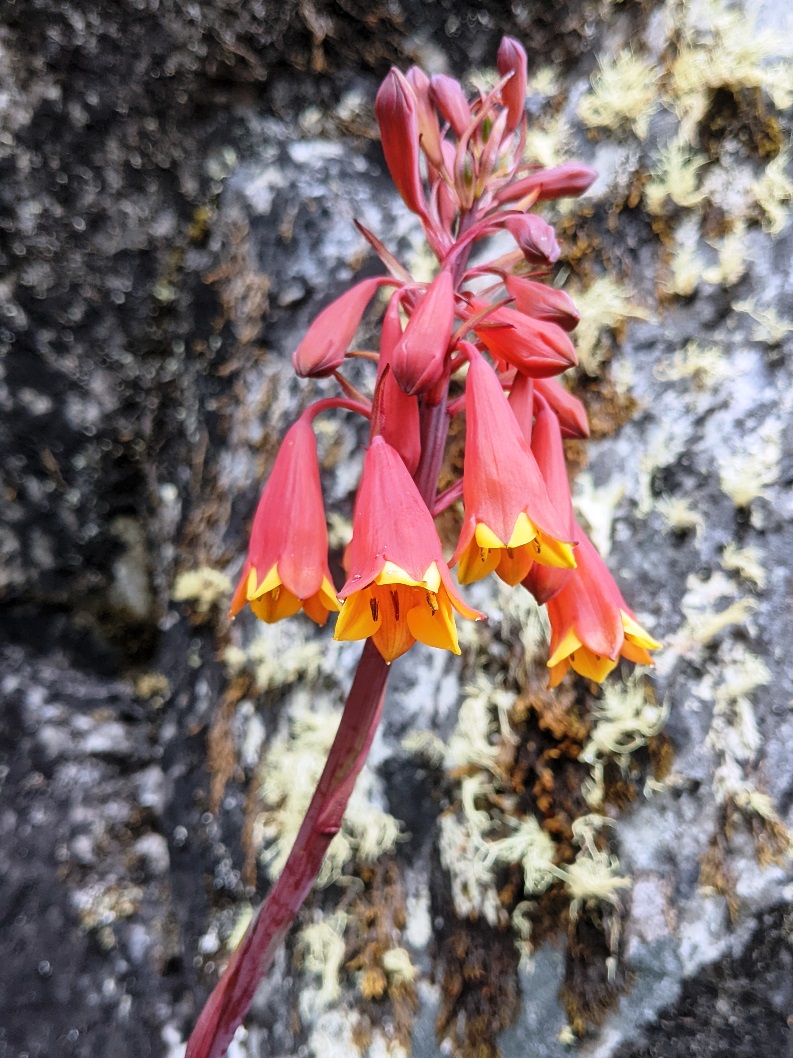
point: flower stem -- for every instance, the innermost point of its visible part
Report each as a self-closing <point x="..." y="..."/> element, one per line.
<point x="232" y="996"/>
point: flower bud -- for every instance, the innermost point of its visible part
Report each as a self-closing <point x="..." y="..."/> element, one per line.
<point x="511" y="58"/>
<point x="448" y="97"/>
<point x="569" y="409"/>
<point x="562" y="181"/>
<point x="535" y="238"/>
<point x="429" y="129"/>
<point x="418" y="358"/>
<point x="398" y="116"/>
<point x="542" y="302"/>
<point x="328" y="338"/>
<point x="400" y="412"/>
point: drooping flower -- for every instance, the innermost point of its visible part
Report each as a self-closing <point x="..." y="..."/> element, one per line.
<point x="535" y="237"/>
<point x="325" y="343"/>
<point x="510" y="520"/>
<point x="591" y="624"/>
<point x="399" y="589"/>
<point x="287" y="563"/>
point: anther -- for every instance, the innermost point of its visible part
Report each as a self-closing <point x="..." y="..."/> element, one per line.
<point x="395" y="600"/>
<point x="374" y="608"/>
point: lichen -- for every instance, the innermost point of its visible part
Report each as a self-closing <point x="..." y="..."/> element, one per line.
<point x="624" y="93"/>
<point x="604" y="306"/>
<point x="204" y="588"/>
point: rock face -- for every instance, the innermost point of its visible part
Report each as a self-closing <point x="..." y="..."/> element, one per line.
<point x="177" y="195"/>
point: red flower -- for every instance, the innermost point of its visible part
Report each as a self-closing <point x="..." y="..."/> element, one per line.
<point x="449" y="98"/>
<point x="535" y="237"/>
<point x="542" y="302"/>
<point x="399" y="588"/>
<point x="591" y="625"/>
<point x="328" y="338"/>
<point x="559" y="182"/>
<point x="510" y="520"/>
<point x="400" y="412"/>
<point x="287" y="563"/>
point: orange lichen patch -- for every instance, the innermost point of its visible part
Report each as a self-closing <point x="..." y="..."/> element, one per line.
<point x="221" y="756"/>
<point x="587" y="991"/>
<point x="377" y="919"/>
<point x="476" y="967"/>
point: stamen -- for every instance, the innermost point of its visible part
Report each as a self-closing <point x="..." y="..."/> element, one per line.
<point x="432" y="602"/>
<point x="483" y="553"/>
<point x="510" y="552"/>
<point x="395" y="600"/>
<point x="275" y="593"/>
<point x="374" y="607"/>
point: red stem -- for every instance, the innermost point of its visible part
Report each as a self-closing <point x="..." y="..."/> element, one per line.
<point x="232" y="996"/>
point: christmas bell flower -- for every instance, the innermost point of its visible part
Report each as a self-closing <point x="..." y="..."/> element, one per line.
<point x="399" y="589"/>
<point x="542" y="302"/>
<point x="325" y="344"/>
<point x="397" y="114"/>
<point x="418" y="359"/>
<point x="510" y="519"/>
<point x="591" y="624"/>
<point x="287" y="563"/>
<point x="534" y="347"/>
<point x="511" y="59"/>
<point x="546" y="444"/>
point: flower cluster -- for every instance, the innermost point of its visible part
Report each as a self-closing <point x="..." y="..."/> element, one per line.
<point x="498" y="334"/>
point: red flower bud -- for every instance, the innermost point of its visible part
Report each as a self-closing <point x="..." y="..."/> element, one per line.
<point x="398" y="116"/>
<point x="534" y="347"/>
<point x="569" y="409"/>
<point x="511" y="58"/>
<point x="560" y="182"/>
<point x="429" y="129"/>
<point x="328" y="338"/>
<point x="400" y="412"/>
<point x="535" y="238"/>
<point x="419" y="356"/>
<point x="448" y="97"/>
<point x="542" y="302"/>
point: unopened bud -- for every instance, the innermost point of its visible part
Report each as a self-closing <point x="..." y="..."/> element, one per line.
<point x="542" y="302"/>
<point x="449" y="99"/>
<point x="511" y="58"/>
<point x="429" y="129"/>
<point x="397" y="114"/>
<point x="328" y="338"/>
<point x="418" y="358"/>
<point x="560" y="182"/>
<point x="535" y="238"/>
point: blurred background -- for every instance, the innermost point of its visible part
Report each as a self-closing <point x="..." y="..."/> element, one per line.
<point x="178" y="182"/>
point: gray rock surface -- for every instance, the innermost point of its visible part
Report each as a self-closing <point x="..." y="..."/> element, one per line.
<point x="177" y="188"/>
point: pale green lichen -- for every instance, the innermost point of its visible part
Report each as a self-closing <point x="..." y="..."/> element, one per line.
<point x="771" y="328"/>
<point x="321" y="949"/>
<point x="746" y="474"/>
<point x="746" y="562"/>
<point x="624" y="94"/>
<point x="702" y="366"/>
<point x="773" y="191"/>
<point x="679" y="515"/>
<point x="597" y="506"/>
<point x="604" y="306"/>
<point x="202" y="588"/>
<point x="675" y="176"/>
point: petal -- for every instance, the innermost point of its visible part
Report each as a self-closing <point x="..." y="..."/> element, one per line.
<point x="636" y="634"/>
<point x="514" y="564"/>
<point x="477" y="562"/>
<point x="591" y="666"/>
<point x="638" y="655"/>
<point x="270" y="581"/>
<point x="568" y="645"/>
<point x="357" y="619"/>
<point x="275" y="605"/>
<point x="432" y="622"/>
<point x="394" y="636"/>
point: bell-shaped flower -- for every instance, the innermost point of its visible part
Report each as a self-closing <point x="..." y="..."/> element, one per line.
<point x="399" y="412"/>
<point x="327" y="340"/>
<point x="510" y="520"/>
<point x="542" y="302"/>
<point x="399" y="589"/>
<point x="546" y="444"/>
<point x="534" y="347"/>
<point x="511" y="59"/>
<point x="397" y="113"/>
<point x="535" y="237"/>
<point x="591" y="625"/>
<point x="287" y="563"/>
<point x="419" y="357"/>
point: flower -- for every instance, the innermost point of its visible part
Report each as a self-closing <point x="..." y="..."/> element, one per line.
<point x="399" y="423"/>
<point x="533" y="346"/>
<point x="511" y="59"/>
<point x="287" y="563"/>
<point x="591" y="625"/>
<point x="399" y="588"/>
<point x="542" y="302"/>
<point x="510" y="520"/>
